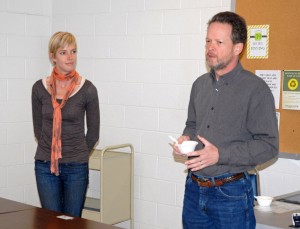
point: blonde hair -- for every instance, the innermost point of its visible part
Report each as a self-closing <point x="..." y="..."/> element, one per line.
<point x="60" y="40"/>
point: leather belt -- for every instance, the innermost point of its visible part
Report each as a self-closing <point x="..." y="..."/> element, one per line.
<point x="207" y="182"/>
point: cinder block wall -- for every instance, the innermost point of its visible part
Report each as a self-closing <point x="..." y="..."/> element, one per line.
<point x="143" y="56"/>
<point x="25" y="29"/>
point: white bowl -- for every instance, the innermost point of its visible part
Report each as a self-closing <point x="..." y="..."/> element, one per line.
<point x="264" y="201"/>
<point x="187" y="146"/>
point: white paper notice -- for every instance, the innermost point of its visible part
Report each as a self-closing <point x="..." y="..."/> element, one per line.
<point x="272" y="78"/>
<point x="65" y="217"/>
<point x="278" y="118"/>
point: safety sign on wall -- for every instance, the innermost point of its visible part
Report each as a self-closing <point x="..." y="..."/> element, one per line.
<point x="258" y="42"/>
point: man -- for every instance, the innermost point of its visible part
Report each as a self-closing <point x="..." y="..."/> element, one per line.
<point x="231" y="114"/>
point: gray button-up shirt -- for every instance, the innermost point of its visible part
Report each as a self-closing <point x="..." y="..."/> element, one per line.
<point x="237" y="114"/>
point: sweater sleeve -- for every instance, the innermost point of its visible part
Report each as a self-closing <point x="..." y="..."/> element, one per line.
<point x="36" y="111"/>
<point x="92" y="117"/>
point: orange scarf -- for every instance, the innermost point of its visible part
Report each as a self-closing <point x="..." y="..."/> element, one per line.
<point x="57" y="116"/>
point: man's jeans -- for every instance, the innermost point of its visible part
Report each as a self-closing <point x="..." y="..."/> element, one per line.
<point x="226" y="206"/>
<point x="64" y="193"/>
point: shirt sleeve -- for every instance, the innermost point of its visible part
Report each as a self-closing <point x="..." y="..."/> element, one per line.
<point x="36" y="105"/>
<point x="262" y="124"/>
<point x="92" y="117"/>
<point x="190" y="125"/>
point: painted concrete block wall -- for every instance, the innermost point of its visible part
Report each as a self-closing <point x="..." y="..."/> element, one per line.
<point x="25" y="29"/>
<point x="143" y="56"/>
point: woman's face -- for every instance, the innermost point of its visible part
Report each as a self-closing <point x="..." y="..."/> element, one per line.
<point x="65" y="59"/>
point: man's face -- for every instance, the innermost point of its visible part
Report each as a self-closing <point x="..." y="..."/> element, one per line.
<point x="221" y="54"/>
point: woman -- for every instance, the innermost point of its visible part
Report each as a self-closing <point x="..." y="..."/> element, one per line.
<point x="60" y="103"/>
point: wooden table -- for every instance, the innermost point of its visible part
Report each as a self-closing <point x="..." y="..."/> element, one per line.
<point x="12" y="206"/>
<point x="14" y="215"/>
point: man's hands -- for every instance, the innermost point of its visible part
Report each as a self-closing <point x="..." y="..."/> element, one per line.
<point x="180" y="140"/>
<point x="202" y="158"/>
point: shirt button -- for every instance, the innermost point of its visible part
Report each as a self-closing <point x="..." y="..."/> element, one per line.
<point x="212" y="108"/>
<point x="208" y="126"/>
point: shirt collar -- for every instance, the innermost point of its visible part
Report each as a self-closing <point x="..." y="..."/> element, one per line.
<point x="228" y="77"/>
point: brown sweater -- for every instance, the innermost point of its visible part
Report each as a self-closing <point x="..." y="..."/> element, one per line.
<point x="76" y="145"/>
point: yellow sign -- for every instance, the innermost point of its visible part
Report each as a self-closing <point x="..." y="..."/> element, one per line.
<point x="293" y="84"/>
<point x="258" y="42"/>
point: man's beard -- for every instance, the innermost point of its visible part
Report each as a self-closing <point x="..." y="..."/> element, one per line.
<point x="220" y="65"/>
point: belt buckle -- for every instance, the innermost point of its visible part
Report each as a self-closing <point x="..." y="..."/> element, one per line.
<point x="226" y="179"/>
<point x="202" y="179"/>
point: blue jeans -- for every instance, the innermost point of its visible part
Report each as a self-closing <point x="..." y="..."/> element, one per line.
<point x="64" y="193"/>
<point x="226" y="206"/>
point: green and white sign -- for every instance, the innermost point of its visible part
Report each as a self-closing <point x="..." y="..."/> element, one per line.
<point x="291" y="90"/>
